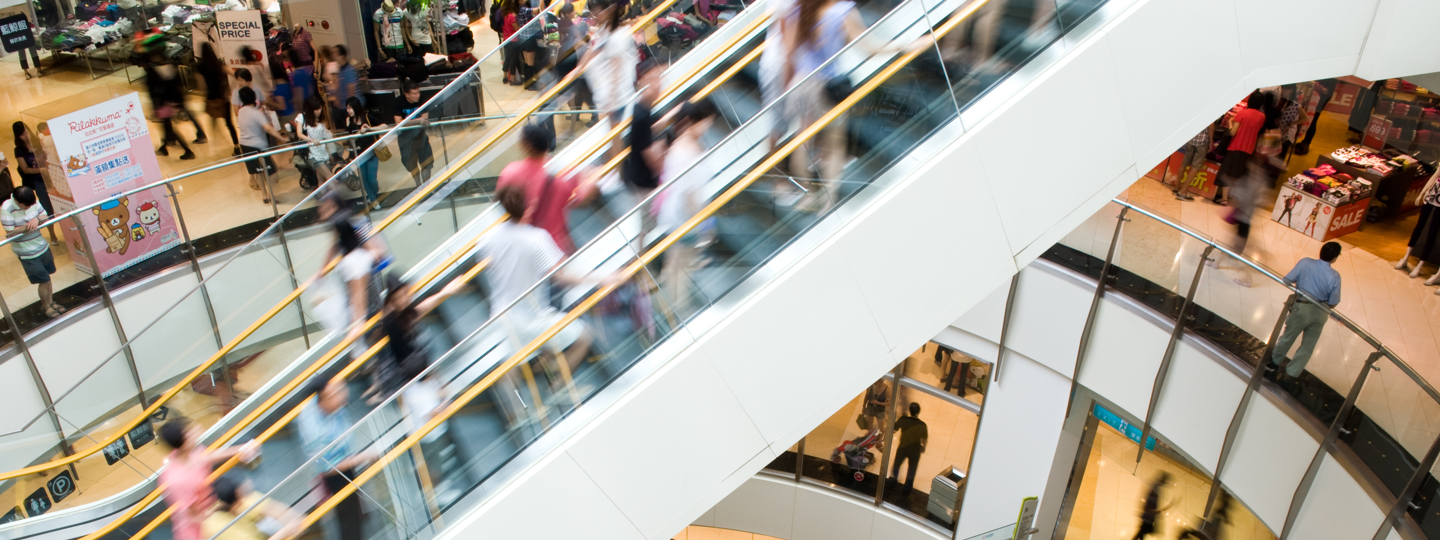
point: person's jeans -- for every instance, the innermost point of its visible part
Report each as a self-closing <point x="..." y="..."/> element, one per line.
<point x="910" y="454"/>
<point x="369" y="169"/>
<point x="1305" y="318"/>
<point x="347" y="513"/>
<point x="34" y="55"/>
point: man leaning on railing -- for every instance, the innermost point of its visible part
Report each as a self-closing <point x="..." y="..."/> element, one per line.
<point x="1320" y="281"/>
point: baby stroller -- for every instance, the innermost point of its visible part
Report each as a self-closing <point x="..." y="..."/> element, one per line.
<point x="855" y="454"/>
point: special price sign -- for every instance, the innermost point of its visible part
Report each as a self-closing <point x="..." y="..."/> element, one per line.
<point x="104" y="151"/>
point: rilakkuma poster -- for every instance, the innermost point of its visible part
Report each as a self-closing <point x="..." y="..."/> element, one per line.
<point x="105" y="151"/>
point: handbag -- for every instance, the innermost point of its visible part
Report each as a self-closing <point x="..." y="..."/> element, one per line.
<point x="382" y="153"/>
<point x="839" y="88"/>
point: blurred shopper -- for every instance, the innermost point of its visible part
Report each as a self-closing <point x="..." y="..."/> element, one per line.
<point x="239" y="512"/>
<point x="1317" y="279"/>
<point x="521" y="255"/>
<point x="313" y="131"/>
<point x="22" y="216"/>
<point x="609" y="65"/>
<point x="358" y="120"/>
<point x="414" y="139"/>
<point x="167" y="99"/>
<point x="547" y="198"/>
<point x="642" y="167"/>
<point x="813" y="32"/>
<point x="341" y="80"/>
<point x="1248" y="190"/>
<point x="302" y="77"/>
<point x="1193" y="162"/>
<point x="1213" y="528"/>
<point x="32" y="165"/>
<point x="255" y="133"/>
<point x="322" y="424"/>
<point x="216" y="77"/>
<point x="1324" y="90"/>
<point x="771" y="69"/>
<point x="1150" y="512"/>
<point x="401" y="322"/>
<point x="914" y="434"/>
<point x="684" y="174"/>
<point x="877" y="399"/>
<point x="357" y="275"/>
<point x="1245" y="131"/>
<point x="282" y="97"/>
<point x="185" y="478"/>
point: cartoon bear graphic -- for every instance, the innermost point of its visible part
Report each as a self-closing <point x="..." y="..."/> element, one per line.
<point x="114" y="217"/>
<point x="149" y="214"/>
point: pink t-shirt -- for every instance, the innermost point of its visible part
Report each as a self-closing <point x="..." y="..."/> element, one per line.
<point x="550" y="212"/>
<point x="187" y="490"/>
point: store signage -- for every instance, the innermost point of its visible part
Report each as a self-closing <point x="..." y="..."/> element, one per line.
<point x="13" y="515"/>
<point x="142" y="435"/>
<point x="116" y="451"/>
<point x="37" y="503"/>
<point x="1115" y="421"/>
<point x="16" y="34"/>
<point x="103" y="151"/>
<point x="1025" y="524"/>
<point x="1343" y="100"/>
<point x="1167" y="170"/>
<point x="1413" y="194"/>
<point x="240" y="29"/>
<point x="1347" y="219"/>
<point x="61" y="486"/>
<point x="1376" y="132"/>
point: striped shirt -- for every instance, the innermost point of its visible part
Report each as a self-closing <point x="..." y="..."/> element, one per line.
<point x="30" y="244"/>
<point x="520" y="255"/>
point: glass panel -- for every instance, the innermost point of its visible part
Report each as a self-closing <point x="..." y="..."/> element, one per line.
<point x="845" y="449"/>
<point x="949" y="370"/>
<point x="786" y="461"/>
<point x="1156" y="263"/>
<point x="994" y="42"/>
<point x="933" y="439"/>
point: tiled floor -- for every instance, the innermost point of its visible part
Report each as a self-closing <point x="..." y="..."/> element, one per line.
<point x="1401" y="312"/>
<point x="1108" y="504"/>
<point x="219" y="200"/>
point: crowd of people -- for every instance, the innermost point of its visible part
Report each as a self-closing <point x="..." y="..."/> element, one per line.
<point x="527" y="252"/>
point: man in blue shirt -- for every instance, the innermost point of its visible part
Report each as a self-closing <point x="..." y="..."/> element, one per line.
<point x="322" y="424"/>
<point x="1319" y="280"/>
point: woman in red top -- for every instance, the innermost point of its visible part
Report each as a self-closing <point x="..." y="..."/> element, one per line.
<point x="509" y="10"/>
<point x="1245" y="129"/>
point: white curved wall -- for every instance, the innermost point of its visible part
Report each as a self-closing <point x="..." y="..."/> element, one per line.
<point x="781" y="508"/>
<point x="1196" y="406"/>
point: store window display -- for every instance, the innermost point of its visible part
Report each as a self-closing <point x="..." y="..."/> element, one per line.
<point x="1425" y="238"/>
<point x="418" y="29"/>
<point x="390" y="29"/>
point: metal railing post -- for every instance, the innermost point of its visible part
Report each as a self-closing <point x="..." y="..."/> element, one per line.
<point x="1250" y="390"/>
<point x="14" y="331"/>
<point x="1303" y="489"/>
<point x="189" y="249"/>
<point x="1169" y="356"/>
<point x="285" y="249"/>
<point x="114" y="315"/>
<point x="800" y="460"/>
<point x="1407" y="495"/>
<point x="887" y="432"/>
<point x="1004" y="327"/>
<point x="1095" y="306"/>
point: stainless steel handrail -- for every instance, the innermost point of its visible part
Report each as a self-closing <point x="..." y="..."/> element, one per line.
<point x="1349" y="324"/>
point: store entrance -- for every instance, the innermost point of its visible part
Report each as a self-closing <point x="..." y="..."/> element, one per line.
<point x="1108" y="490"/>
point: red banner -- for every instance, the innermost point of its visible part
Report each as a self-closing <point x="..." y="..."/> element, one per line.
<point x="1344" y="98"/>
<point x="1347" y="219"/>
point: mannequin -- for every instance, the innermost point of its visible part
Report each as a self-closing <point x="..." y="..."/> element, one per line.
<point x="417" y="29"/>
<point x="1425" y="239"/>
<point x="389" y="30"/>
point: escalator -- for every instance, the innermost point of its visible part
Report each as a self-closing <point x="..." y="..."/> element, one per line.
<point x="517" y="404"/>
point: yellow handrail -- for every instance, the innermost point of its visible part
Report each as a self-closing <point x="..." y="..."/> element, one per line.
<point x="356" y="363"/>
<point x="404" y="207"/>
<point x="650" y="255"/>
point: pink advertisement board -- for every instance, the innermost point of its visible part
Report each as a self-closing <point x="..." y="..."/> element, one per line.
<point x="105" y="150"/>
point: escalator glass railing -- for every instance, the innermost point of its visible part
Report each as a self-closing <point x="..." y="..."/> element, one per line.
<point x="318" y="364"/>
<point x="518" y="380"/>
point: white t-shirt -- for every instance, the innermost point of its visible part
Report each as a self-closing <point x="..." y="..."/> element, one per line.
<point x="422" y="397"/>
<point x="251" y="125"/>
<point x="392" y="35"/>
<point x="612" y="74"/>
<point x="679" y="193"/>
<point x="520" y="255"/>
<point x="419" y="27"/>
<point x="356" y="265"/>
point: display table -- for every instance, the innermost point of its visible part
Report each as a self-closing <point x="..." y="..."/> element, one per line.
<point x="1396" y="191"/>
<point x="1315" y="217"/>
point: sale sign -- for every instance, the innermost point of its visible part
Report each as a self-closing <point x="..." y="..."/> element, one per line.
<point x="238" y="30"/>
<point x="103" y="151"/>
<point x="1376" y="132"/>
